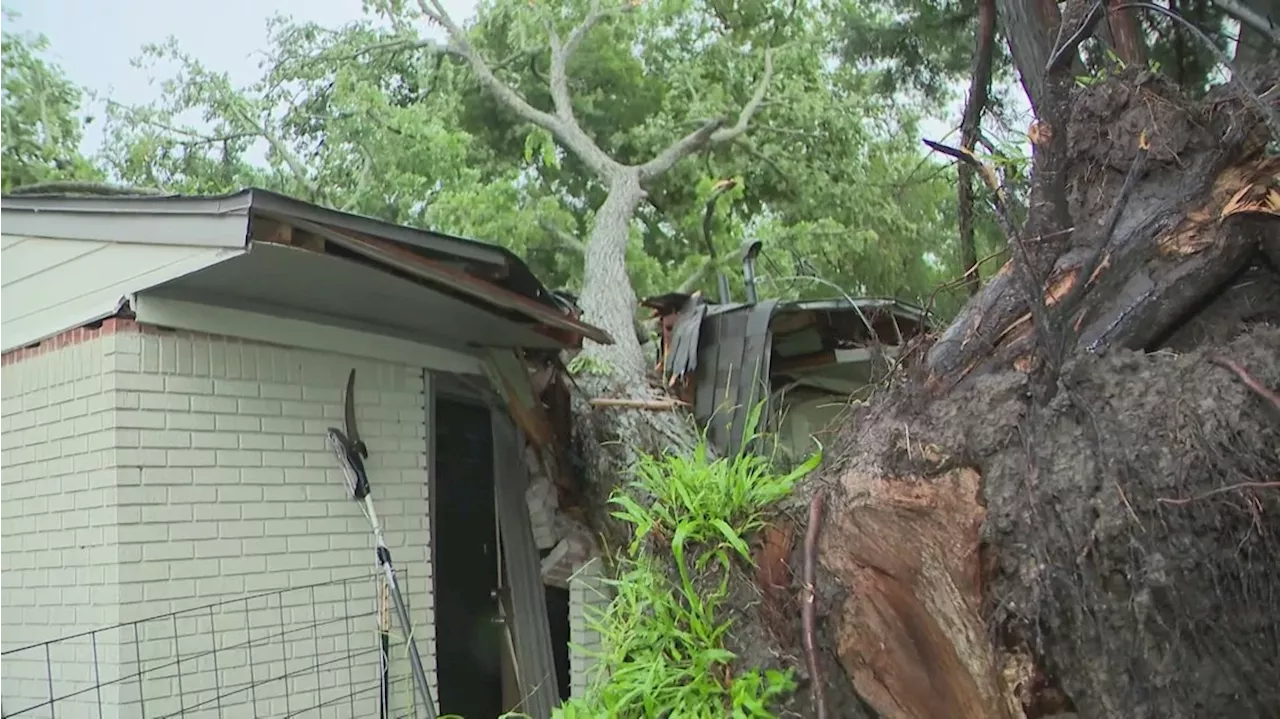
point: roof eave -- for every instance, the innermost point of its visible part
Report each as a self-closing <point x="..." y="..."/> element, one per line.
<point x="223" y="223"/>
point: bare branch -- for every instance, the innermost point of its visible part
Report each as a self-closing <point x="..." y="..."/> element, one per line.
<point x="970" y="128"/>
<point x="713" y="132"/>
<point x="1064" y="50"/>
<point x="728" y="134"/>
<point x="435" y="11"/>
<point x="291" y="160"/>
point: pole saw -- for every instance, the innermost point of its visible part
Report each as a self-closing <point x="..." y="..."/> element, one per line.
<point x="352" y="452"/>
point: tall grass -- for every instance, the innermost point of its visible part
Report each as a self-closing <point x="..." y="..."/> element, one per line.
<point x="663" y="637"/>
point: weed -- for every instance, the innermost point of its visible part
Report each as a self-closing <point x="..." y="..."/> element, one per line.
<point x="585" y="364"/>
<point x="663" y="638"/>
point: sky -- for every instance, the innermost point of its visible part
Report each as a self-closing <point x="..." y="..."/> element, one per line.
<point x="94" y="40"/>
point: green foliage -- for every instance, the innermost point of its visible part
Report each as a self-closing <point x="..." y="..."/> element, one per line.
<point x="585" y="364"/>
<point x="40" y="131"/>
<point x="663" y="638"/>
<point x="372" y="118"/>
<point x="920" y="45"/>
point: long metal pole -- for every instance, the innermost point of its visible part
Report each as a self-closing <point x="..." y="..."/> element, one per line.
<point x="415" y="659"/>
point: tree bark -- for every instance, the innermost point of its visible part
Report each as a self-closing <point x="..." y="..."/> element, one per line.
<point x="608" y="300"/>
<point x="1030" y="26"/>
<point x="1125" y="34"/>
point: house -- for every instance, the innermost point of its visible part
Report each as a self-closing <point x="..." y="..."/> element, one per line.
<point x="803" y="359"/>
<point x="176" y="535"/>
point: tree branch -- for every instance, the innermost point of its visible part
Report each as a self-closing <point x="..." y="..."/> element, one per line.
<point x="713" y="132"/>
<point x="970" y="128"/>
<point x="564" y="238"/>
<point x="562" y="53"/>
<point x="295" y="165"/>
<point x="1249" y="17"/>
<point x="566" y="130"/>
<point x="1064" y="50"/>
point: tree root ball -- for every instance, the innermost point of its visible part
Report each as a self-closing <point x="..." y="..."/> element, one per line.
<point x="1113" y="553"/>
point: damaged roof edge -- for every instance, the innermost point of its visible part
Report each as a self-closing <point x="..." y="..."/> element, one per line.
<point x="222" y="221"/>
<point x="241" y="203"/>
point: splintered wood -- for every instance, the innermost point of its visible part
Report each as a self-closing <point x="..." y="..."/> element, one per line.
<point x="907" y="547"/>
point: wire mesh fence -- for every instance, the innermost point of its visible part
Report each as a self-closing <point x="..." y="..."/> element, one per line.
<point x="314" y="651"/>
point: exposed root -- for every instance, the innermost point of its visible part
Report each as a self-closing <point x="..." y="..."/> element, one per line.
<point x="1220" y="490"/>
<point x="1249" y="381"/>
<point x="817" y="688"/>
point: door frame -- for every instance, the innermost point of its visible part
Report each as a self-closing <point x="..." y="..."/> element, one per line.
<point x="466" y="389"/>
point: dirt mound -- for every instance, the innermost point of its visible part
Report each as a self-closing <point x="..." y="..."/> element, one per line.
<point x="1133" y="539"/>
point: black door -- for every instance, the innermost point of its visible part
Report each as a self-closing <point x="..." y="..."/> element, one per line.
<point x="468" y="640"/>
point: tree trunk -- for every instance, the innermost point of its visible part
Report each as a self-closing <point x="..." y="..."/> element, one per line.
<point x="1107" y="547"/>
<point x="1124" y="33"/>
<point x="607" y="438"/>
<point x="607" y="299"/>
<point x="1030" y="26"/>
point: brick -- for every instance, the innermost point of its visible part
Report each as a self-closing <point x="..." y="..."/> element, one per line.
<point x="217" y="405"/>
<point x="218" y="548"/>
<point x="261" y="441"/>
<point x="217" y="511"/>
<point x="192" y="458"/>
<point x="214" y="440"/>
<point x="259" y="406"/>
<point x="229" y="388"/>
<point x="175" y="474"/>
<point x="193" y="530"/>
<point x="232" y="423"/>
<point x="239" y="458"/>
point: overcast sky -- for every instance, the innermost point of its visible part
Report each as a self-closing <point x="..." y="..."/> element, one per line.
<point x="94" y="40"/>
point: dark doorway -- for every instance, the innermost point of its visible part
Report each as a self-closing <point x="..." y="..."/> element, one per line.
<point x="558" y="618"/>
<point x="468" y="639"/>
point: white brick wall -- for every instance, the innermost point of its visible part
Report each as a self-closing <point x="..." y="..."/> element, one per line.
<point x="218" y="485"/>
<point x="58" y="519"/>
<point x="588" y="598"/>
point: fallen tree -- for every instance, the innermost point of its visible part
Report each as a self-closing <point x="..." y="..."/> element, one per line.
<point x="1066" y="502"/>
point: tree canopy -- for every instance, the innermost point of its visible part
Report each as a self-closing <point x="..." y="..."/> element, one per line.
<point x="378" y="118"/>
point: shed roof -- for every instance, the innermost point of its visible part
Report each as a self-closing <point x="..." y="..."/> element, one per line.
<point x="224" y="249"/>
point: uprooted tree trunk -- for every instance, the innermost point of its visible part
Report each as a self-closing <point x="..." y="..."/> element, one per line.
<point x="1068" y="502"/>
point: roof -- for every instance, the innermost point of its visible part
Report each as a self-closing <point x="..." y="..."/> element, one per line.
<point x="242" y="234"/>
<point x="728" y="356"/>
